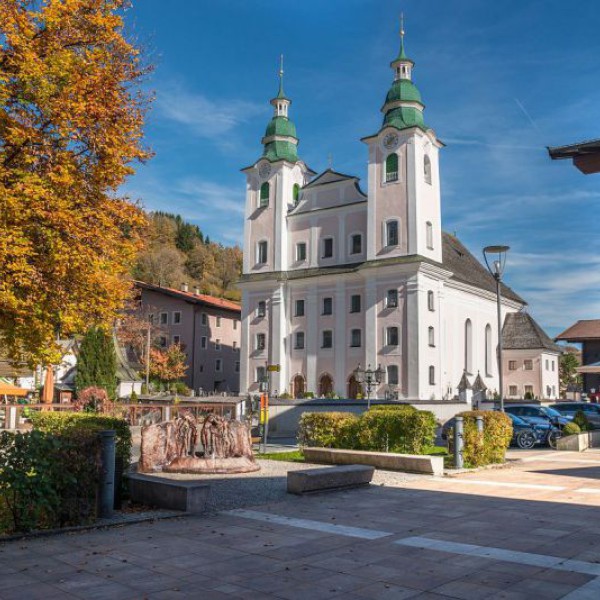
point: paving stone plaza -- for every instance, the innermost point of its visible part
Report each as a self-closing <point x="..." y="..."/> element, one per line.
<point x="527" y="531"/>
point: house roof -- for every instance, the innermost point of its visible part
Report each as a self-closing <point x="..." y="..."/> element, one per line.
<point x="521" y="332"/>
<point x="12" y="371"/>
<point x="587" y="329"/>
<point x="202" y="299"/>
<point x="573" y="150"/>
<point x="467" y="269"/>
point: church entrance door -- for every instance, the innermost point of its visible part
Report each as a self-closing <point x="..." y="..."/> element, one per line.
<point x="353" y="388"/>
<point x="325" y="385"/>
<point x="298" y="386"/>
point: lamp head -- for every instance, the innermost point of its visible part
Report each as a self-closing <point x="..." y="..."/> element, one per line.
<point x="495" y="259"/>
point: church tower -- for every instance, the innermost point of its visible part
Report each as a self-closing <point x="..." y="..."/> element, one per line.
<point x="273" y="186"/>
<point x="404" y="188"/>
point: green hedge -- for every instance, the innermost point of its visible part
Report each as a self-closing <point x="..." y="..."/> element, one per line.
<point x="327" y="429"/>
<point x="59" y="422"/>
<point x="47" y="480"/>
<point x="490" y="448"/>
<point x="401" y="429"/>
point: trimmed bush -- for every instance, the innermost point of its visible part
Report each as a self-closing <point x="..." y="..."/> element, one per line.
<point x="48" y="480"/>
<point x="582" y="421"/>
<point x="401" y="429"/>
<point x="58" y="422"/>
<point x="327" y="429"/>
<point x="394" y="429"/>
<point x="571" y="429"/>
<point x="490" y="448"/>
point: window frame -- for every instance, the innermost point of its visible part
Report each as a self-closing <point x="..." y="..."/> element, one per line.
<point x="392" y="333"/>
<point x="260" y="254"/>
<point x="432" y="375"/>
<point x="356" y="333"/>
<point x="357" y="235"/>
<point x="261" y="309"/>
<point x="264" y="199"/>
<point x="299" y="335"/>
<point x="299" y="302"/>
<point x="203" y="342"/>
<point x="327" y="306"/>
<point x="218" y="365"/>
<point x="429" y="235"/>
<point x="391" y="175"/>
<point x="389" y="223"/>
<point x="329" y="334"/>
<point x="427" y="174"/>
<point x="528" y="364"/>
<point x="431" y="336"/>
<point x="176" y="317"/>
<point x="324" y="241"/>
<point x="257" y="342"/>
<point x="430" y="301"/>
<point x="387" y="375"/>
<point x="352" y="307"/>
<point x="304" y="246"/>
<point x="394" y="304"/>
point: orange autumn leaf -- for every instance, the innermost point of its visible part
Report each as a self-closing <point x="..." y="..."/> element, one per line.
<point x="71" y="131"/>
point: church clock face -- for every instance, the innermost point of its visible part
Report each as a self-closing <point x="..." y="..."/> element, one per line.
<point x="390" y="141"/>
<point x="264" y="170"/>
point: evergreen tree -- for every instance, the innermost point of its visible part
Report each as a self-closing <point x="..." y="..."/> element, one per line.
<point x="97" y="362"/>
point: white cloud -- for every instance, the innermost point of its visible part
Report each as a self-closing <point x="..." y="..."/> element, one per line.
<point x="202" y="116"/>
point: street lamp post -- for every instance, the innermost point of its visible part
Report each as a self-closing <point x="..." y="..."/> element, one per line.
<point x="369" y="378"/>
<point x="495" y="260"/>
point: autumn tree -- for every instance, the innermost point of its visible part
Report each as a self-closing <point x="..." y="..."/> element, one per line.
<point x="168" y="365"/>
<point x="71" y="118"/>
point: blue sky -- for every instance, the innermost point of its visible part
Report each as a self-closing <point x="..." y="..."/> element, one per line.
<point x="500" y="80"/>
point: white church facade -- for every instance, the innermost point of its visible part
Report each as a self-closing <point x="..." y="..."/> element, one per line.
<point x="334" y="277"/>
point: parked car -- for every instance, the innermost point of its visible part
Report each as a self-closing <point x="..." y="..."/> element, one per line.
<point x="569" y="409"/>
<point x="525" y="434"/>
<point x="534" y="413"/>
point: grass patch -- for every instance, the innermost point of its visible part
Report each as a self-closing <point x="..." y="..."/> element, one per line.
<point x="435" y="450"/>
<point x="292" y="456"/>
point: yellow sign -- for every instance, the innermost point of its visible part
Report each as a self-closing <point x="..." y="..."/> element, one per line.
<point x="273" y="368"/>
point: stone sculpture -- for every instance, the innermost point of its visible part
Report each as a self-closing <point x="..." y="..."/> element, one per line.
<point x="171" y="446"/>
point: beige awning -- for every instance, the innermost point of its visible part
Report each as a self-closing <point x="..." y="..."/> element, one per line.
<point x="7" y="389"/>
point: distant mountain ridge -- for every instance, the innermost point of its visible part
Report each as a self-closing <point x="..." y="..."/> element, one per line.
<point x="178" y="252"/>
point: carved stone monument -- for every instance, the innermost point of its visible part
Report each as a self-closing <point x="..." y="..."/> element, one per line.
<point x="171" y="446"/>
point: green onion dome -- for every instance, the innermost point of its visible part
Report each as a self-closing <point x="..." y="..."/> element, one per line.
<point x="281" y="126"/>
<point x="404" y="90"/>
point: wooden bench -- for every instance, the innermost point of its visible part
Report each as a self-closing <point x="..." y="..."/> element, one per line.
<point x="328" y="478"/>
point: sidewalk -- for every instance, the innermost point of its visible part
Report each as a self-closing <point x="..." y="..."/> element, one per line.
<point x="513" y="535"/>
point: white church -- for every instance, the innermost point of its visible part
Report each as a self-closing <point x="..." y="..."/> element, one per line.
<point x="334" y="277"/>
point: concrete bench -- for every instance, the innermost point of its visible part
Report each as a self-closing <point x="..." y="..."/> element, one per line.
<point x="329" y="478"/>
<point x="409" y="463"/>
<point x="187" y="496"/>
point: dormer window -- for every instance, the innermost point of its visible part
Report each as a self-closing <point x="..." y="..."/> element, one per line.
<point x="391" y="168"/>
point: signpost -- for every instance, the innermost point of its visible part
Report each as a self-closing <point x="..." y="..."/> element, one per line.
<point x="264" y="406"/>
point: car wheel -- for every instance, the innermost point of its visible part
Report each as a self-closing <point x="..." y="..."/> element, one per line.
<point x="526" y="440"/>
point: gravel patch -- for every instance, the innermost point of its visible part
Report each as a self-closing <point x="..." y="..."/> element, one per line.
<point x="268" y="485"/>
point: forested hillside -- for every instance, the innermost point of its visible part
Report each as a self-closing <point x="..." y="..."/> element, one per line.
<point x="177" y="252"/>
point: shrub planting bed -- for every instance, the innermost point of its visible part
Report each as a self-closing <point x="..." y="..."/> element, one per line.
<point x="47" y="480"/>
<point x="400" y="429"/>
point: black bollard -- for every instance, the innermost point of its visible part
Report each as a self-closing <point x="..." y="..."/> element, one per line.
<point x="458" y="443"/>
<point x="107" y="475"/>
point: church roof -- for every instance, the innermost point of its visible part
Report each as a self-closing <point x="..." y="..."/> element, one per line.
<point x="467" y="269"/>
<point x="280" y="126"/>
<point x="329" y="176"/>
<point x="405" y="90"/>
<point x="521" y="332"/>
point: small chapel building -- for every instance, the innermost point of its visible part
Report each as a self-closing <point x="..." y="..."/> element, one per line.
<point x="335" y="276"/>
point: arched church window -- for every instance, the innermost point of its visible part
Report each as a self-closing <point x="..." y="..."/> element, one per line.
<point x="431" y="375"/>
<point x="265" y="190"/>
<point x="431" y="336"/>
<point x="468" y="346"/>
<point x="488" y="350"/>
<point x="296" y="193"/>
<point x="427" y="169"/>
<point x="391" y="167"/>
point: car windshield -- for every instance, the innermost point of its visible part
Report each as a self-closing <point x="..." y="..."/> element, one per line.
<point x="550" y="412"/>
